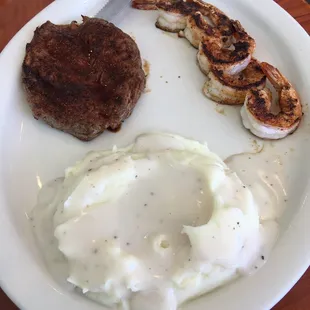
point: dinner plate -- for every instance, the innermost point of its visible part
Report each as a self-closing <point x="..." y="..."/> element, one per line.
<point x="33" y="153"/>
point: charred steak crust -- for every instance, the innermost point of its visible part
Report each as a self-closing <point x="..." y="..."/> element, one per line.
<point x="82" y="79"/>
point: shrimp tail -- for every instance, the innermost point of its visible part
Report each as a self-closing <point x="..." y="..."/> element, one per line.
<point x="256" y="112"/>
<point x="276" y="78"/>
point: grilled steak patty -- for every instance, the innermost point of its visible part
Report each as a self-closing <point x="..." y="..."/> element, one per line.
<point x="82" y="79"/>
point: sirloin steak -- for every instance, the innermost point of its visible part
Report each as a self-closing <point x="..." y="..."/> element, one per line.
<point x="82" y="78"/>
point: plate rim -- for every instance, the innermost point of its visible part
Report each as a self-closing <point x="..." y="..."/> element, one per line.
<point x="267" y="7"/>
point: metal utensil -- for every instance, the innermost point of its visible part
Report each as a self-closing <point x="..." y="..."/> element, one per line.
<point x="114" y="10"/>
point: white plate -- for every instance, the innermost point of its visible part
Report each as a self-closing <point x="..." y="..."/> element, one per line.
<point x="33" y="153"/>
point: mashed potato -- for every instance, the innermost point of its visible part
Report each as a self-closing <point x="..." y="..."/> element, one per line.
<point x="154" y="224"/>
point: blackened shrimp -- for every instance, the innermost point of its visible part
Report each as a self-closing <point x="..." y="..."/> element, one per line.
<point x="232" y="89"/>
<point x="173" y="14"/>
<point x="209" y="15"/>
<point x="256" y="112"/>
<point x="198" y="29"/>
<point x="214" y="51"/>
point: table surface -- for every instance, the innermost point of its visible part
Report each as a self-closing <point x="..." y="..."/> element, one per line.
<point x="23" y="10"/>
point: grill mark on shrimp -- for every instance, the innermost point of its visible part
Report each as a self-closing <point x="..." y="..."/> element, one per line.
<point x="242" y="86"/>
<point x="235" y="55"/>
